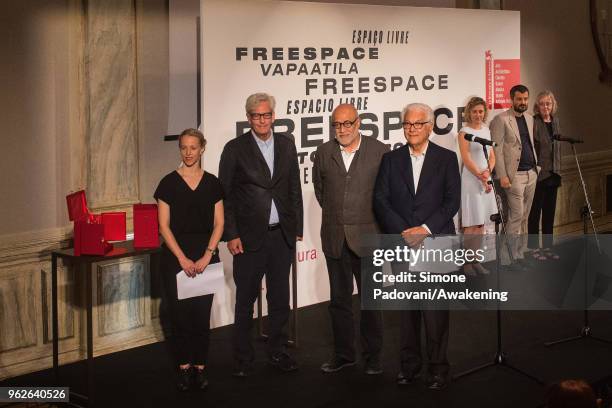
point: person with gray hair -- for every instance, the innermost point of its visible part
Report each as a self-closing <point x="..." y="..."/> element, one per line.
<point x="257" y="98"/>
<point x="344" y="172"/>
<point x="545" y="126"/>
<point x="417" y="193"/>
<point x="426" y="109"/>
<point x="260" y="176"/>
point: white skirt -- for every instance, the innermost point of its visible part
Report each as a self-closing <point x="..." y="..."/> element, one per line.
<point x="476" y="205"/>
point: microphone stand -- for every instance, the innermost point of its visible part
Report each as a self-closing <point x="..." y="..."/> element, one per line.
<point x="586" y="214"/>
<point x="500" y="357"/>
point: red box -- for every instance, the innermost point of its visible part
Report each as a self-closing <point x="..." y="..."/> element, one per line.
<point x="89" y="239"/>
<point x="114" y="226"/>
<point x="77" y="205"/>
<point x="146" y="231"/>
<point x="92" y="231"/>
<point x="78" y="233"/>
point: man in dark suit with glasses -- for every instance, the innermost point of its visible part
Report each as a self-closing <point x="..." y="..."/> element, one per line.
<point x="259" y="173"/>
<point x="417" y="194"/>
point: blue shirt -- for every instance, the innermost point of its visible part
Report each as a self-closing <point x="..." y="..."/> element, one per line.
<point x="267" y="150"/>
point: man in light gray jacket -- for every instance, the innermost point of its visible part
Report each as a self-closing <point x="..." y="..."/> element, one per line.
<point x="516" y="165"/>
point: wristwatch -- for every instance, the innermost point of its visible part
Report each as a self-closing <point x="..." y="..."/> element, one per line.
<point x="212" y="251"/>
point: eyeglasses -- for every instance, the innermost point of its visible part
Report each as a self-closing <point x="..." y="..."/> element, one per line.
<point x="547" y="104"/>
<point x="346" y="124"/>
<point x="415" y="125"/>
<point x="257" y="116"/>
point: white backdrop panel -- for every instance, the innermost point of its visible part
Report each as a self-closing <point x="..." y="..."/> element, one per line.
<point x="440" y="61"/>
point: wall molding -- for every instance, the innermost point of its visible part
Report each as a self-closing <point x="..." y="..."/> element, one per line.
<point x="588" y="162"/>
<point x="42" y="359"/>
<point x="32" y="246"/>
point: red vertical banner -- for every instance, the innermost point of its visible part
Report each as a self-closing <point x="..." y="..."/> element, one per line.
<point x="489" y="78"/>
<point x="506" y="74"/>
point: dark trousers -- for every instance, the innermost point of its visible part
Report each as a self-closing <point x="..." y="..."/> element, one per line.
<point x="189" y="323"/>
<point x="544" y="206"/>
<point x="436" y="336"/>
<point x="273" y="260"/>
<point x="341" y="272"/>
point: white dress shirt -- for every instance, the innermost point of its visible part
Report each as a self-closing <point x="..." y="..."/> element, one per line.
<point x="417" y="160"/>
<point x="347" y="157"/>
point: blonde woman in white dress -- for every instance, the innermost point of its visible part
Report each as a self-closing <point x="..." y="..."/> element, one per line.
<point x="477" y="197"/>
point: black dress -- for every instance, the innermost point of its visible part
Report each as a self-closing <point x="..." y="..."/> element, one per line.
<point x="191" y="222"/>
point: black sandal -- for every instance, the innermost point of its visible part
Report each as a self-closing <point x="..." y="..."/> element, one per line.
<point x="184" y="379"/>
<point x="538" y="256"/>
<point x="550" y="254"/>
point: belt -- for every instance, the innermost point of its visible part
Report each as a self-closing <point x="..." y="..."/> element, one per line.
<point x="273" y="227"/>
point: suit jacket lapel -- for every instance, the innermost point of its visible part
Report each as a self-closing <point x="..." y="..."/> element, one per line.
<point x="406" y="169"/>
<point x="361" y="153"/>
<point x="277" y="158"/>
<point x="259" y="156"/>
<point x="429" y="165"/>
<point x="337" y="157"/>
<point x="514" y="125"/>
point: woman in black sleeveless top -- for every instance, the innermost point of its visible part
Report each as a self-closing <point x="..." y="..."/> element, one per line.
<point x="190" y="214"/>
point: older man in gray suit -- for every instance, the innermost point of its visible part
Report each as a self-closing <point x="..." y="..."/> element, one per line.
<point x="516" y="165"/>
<point x="344" y="174"/>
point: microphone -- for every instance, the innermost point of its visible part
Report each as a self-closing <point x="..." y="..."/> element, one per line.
<point x="485" y="142"/>
<point x="567" y="139"/>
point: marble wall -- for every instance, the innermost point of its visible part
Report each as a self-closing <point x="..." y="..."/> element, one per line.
<point x="596" y="167"/>
<point x="111" y="84"/>
<point x="97" y="145"/>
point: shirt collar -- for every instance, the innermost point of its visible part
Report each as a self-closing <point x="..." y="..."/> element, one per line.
<point x="343" y="149"/>
<point x="422" y="153"/>
<point x="261" y="142"/>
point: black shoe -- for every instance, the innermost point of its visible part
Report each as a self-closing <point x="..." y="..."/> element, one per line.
<point x="242" y="370"/>
<point x="438" y="382"/>
<point x="200" y="380"/>
<point x="373" y="366"/>
<point x="283" y="362"/>
<point x="184" y="379"/>
<point x="336" y="364"/>
<point x="405" y="379"/>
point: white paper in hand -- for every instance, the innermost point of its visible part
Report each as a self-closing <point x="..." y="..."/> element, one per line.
<point x="206" y="283"/>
